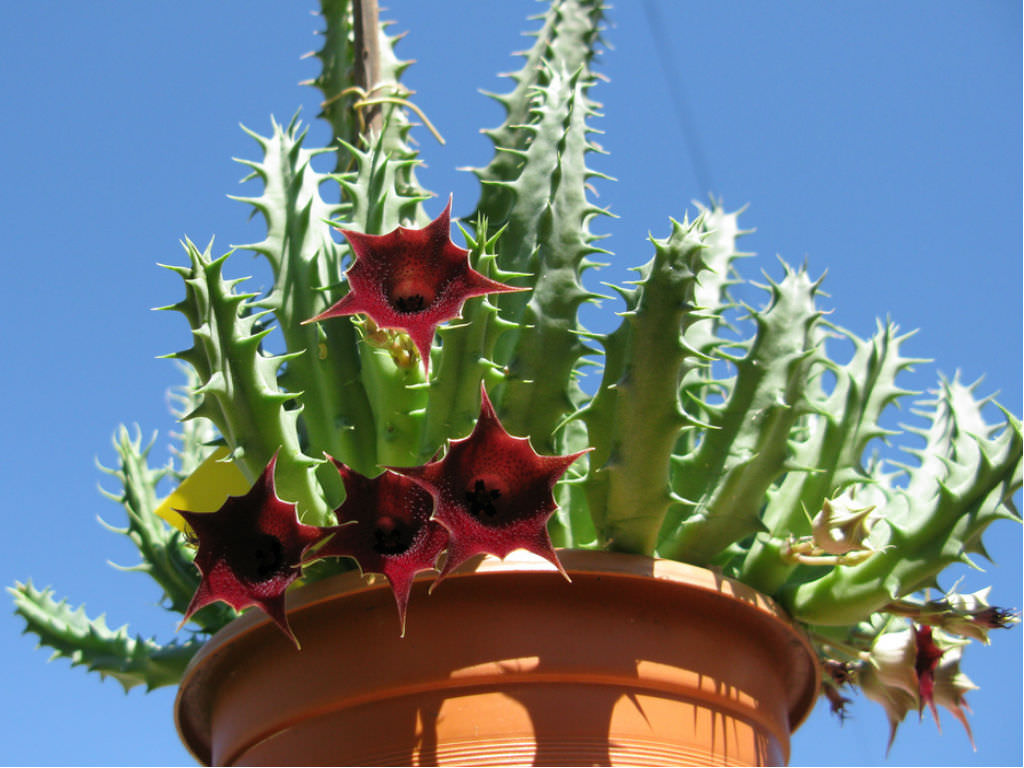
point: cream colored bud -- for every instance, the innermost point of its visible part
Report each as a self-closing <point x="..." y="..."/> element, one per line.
<point x="840" y="528"/>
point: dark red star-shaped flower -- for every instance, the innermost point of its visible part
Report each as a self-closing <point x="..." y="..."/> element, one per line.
<point x="250" y="550"/>
<point x="386" y="528"/>
<point x="411" y="280"/>
<point x="493" y="492"/>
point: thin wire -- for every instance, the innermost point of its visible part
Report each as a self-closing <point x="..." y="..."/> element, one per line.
<point x="686" y="123"/>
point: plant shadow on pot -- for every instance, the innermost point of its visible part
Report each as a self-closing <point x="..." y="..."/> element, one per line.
<point x="637" y="661"/>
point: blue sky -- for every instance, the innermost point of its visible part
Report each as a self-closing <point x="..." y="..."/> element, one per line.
<point x="879" y="141"/>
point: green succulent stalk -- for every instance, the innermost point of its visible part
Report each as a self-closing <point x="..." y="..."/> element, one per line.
<point x="719" y="433"/>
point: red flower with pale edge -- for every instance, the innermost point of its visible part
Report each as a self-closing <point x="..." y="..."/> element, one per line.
<point x="493" y="492"/>
<point x="925" y="662"/>
<point x="411" y="280"/>
<point x="250" y="550"/>
<point x="386" y="528"/>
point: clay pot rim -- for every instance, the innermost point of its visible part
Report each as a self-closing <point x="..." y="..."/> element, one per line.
<point x="577" y="562"/>
<point x="589" y="561"/>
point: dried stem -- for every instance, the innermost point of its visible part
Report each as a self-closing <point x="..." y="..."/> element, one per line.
<point x="367" y="58"/>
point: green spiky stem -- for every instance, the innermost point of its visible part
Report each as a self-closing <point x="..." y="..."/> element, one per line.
<point x="535" y="187"/>
<point x="165" y="557"/>
<point x="635" y="417"/>
<point x="725" y="479"/>
<point x="239" y="382"/>
<point x="830" y="444"/>
<point x="90" y="643"/>
<point x="548" y="237"/>
<point x="965" y="481"/>
<point x="305" y="260"/>
<point x="570" y="36"/>
<point x="711" y="300"/>
<point x="398" y="399"/>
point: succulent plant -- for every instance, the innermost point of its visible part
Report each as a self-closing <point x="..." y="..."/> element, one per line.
<point x="388" y="423"/>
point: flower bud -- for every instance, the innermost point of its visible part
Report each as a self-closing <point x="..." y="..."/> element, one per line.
<point x="840" y="528"/>
<point x="971" y="615"/>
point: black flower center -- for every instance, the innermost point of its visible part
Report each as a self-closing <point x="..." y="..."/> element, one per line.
<point x="411" y="294"/>
<point x="481" y="500"/>
<point x="414" y="303"/>
<point x="391" y="536"/>
<point x="262" y="557"/>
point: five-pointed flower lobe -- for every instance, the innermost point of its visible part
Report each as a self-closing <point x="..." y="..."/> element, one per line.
<point x="895" y="699"/>
<point x="889" y="676"/>
<point x="950" y="686"/>
<point x="385" y="527"/>
<point x="493" y="492"/>
<point x="411" y="280"/>
<point x="250" y="550"/>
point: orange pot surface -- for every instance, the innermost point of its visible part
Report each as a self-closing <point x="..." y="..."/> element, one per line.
<point x="637" y="661"/>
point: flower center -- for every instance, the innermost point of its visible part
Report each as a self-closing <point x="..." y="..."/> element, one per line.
<point x="411" y="295"/>
<point x="262" y="557"/>
<point x="391" y="536"/>
<point x="486" y="498"/>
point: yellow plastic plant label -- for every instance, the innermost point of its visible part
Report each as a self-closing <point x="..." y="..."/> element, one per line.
<point x="205" y="490"/>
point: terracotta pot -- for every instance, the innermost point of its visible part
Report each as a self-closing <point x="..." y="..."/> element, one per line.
<point x="637" y="661"/>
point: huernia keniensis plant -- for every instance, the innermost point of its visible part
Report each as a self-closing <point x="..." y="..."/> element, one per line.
<point x="427" y="402"/>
